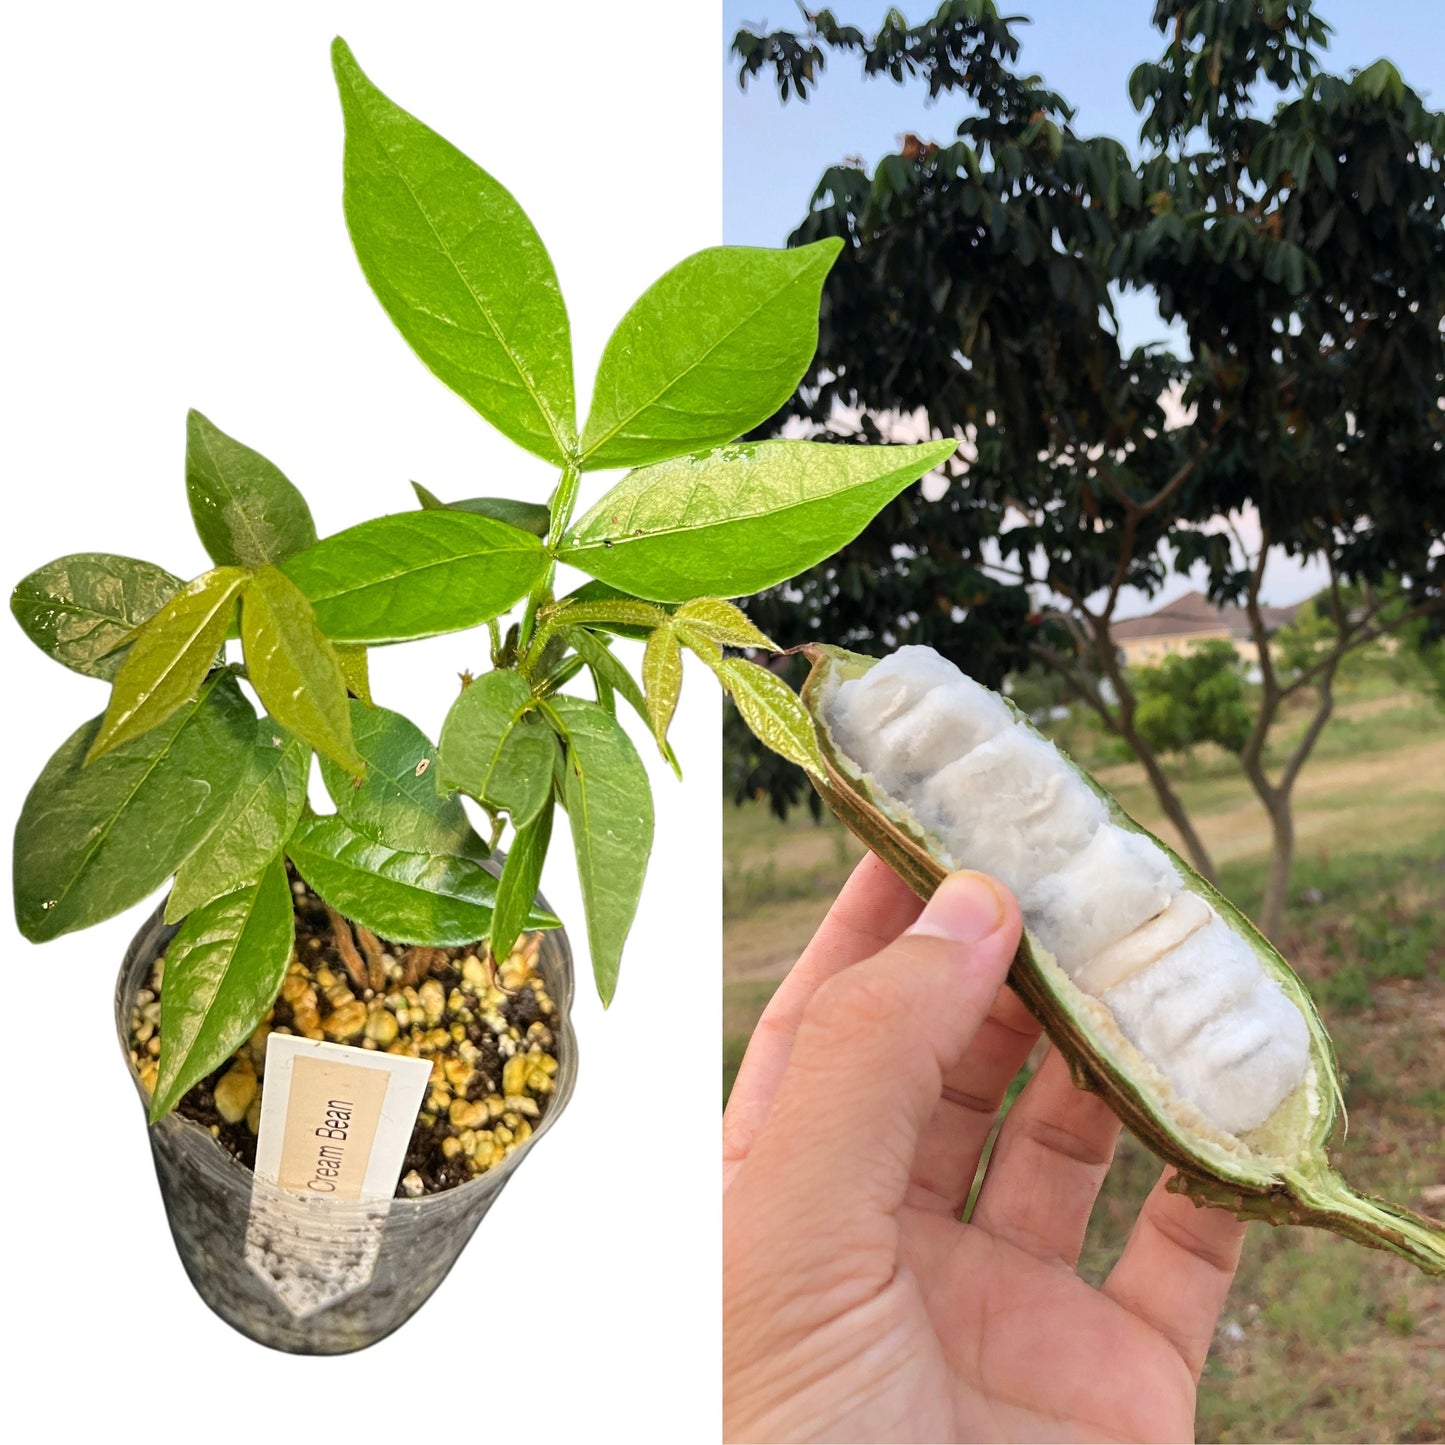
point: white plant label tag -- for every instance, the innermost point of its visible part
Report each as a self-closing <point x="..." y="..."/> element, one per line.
<point x="335" y="1125"/>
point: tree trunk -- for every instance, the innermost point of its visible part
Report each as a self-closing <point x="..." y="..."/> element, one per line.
<point x="1123" y="724"/>
<point x="1171" y="803"/>
<point x="1278" y="800"/>
<point x="1281" y="864"/>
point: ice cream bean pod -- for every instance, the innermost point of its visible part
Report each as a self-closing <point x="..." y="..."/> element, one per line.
<point x="1161" y="995"/>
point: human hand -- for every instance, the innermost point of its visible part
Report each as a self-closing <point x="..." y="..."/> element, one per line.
<point x="856" y="1306"/>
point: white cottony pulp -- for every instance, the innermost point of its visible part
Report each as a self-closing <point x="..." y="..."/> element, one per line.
<point x="1108" y="903"/>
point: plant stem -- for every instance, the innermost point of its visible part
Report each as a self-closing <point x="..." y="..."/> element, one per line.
<point x="540" y="638"/>
<point x="1335" y="1205"/>
<point x="563" y="501"/>
<point x="539" y="596"/>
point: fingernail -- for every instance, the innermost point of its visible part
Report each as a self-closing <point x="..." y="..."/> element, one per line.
<point x="966" y="908"/>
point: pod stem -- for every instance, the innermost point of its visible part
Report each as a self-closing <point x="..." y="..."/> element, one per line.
<point x="1371" y="1221"/>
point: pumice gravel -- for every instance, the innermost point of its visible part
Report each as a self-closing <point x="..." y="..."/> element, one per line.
<point x="1162" y="996"/>
<point x="486" y="1028"/>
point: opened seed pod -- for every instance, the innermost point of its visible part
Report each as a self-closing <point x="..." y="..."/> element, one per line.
<point x="1162" y="996"/>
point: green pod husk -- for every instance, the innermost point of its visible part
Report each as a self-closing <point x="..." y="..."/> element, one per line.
<point x="1279" y="1172"/>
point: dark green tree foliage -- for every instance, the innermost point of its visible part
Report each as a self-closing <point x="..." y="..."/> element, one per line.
<point x="1194" y="697"/>
<point x="1297" y="242"/>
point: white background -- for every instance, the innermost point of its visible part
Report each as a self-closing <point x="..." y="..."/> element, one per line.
<point x="174" y="238"/>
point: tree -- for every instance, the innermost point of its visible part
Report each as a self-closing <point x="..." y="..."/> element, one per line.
<point x="1420" y="662"/>
<point x="1191" y="698"/>
<point x="1301" y="251"/>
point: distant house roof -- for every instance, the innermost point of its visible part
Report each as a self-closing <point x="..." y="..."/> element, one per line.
<point x="1194" y="612"/>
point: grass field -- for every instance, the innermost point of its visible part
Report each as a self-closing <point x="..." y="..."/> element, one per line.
<point x="1320" y="1340"/>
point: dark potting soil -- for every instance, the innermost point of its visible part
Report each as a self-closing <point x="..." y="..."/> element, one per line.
<point x="486" y="1028"/>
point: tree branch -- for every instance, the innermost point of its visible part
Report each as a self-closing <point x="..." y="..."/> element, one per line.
<point x="1076" y="677"/>
<point x="1312" y="733"/>
<point x="1360" y="634"/>
<point x="1167" y="491"/>
<point x="1251" y="756"/>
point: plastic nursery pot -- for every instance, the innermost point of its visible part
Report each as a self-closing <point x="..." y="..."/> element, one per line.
<point x="352" y="1273"/>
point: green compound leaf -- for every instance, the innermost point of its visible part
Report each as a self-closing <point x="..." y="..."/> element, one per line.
<point x="713" y="620"/>
<point x="773" y="711"/>
<point x="245" y="510"/>
<point x="254" y="825"/>
<point x="496" y="748"/>
<point x="737" y="519"/>
<point x="521" y="875"/>
<point x="397" y="802"/>
<point x="224" y="969"/>
<point x="93" y="840"/>
<point x="609" y="806"/>
<point x="662" y="679"/>
<point x="416" y="574"/>
<point x="528" y="516"/>
<point x="458" y="267"/>
<point x="170" y="657"/>
<point x="707" y="352"/>
<point x="81" y="609"/>
<point x="434" y="899"/>
<point x="294" y="669"/>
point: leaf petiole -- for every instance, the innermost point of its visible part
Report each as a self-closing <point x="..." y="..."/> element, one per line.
<point x="564" y="499"/>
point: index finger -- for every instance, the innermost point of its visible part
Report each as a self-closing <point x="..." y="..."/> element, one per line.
<point x="873" y="908"/>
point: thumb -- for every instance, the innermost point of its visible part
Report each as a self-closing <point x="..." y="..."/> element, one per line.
<point x="867" y="1066"/>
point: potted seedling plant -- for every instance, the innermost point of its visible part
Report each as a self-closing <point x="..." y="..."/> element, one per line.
<point x="378" y="918"/>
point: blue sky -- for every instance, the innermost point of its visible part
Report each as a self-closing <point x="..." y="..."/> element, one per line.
<point x="773" y="154"/>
